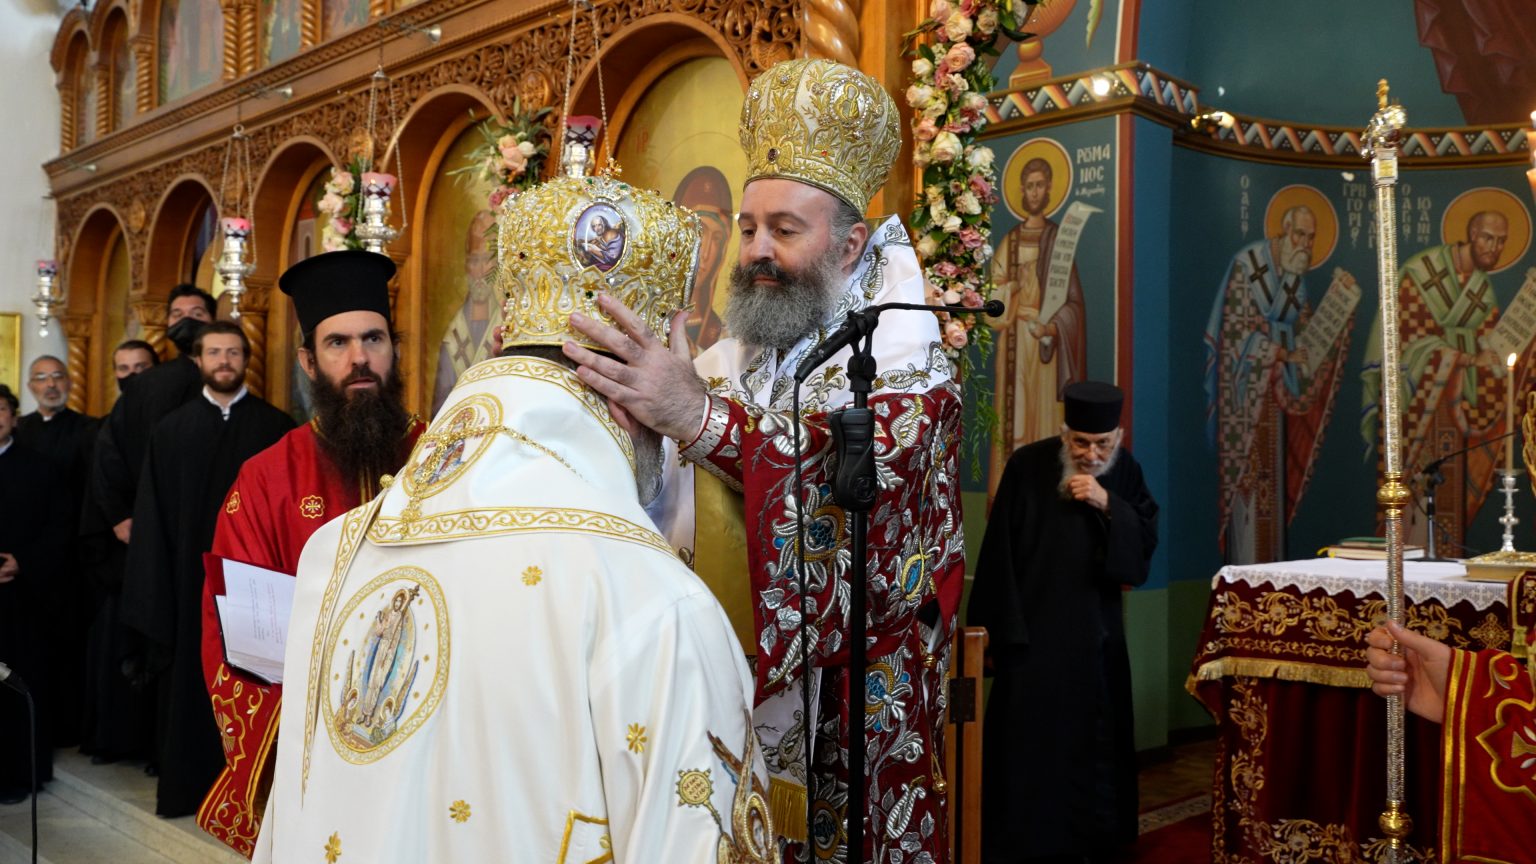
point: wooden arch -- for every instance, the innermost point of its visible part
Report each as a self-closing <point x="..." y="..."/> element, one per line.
<point x="86" y="318"/>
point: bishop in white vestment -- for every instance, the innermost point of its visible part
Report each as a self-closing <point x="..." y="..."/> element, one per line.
<point x="500" y="659"/>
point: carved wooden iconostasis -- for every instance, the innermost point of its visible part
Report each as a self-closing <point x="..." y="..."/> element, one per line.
<point x="152" y="89"/>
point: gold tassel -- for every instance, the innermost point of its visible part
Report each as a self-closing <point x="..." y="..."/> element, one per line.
<point x="786" y="802"/>
<point x="1285" y="670"/>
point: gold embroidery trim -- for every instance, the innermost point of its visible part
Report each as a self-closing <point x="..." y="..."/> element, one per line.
<point x="434" y="596"/>
<point x="459" y="811"/>
<point x="353" y="528"/>
<point x="1285" y="670"/>
<point x="496" y="521"/>
<point x="570" y="827"/>
<point x="539" y="369"/>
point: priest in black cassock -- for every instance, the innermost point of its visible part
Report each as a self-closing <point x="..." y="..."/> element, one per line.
<point x="1072" y="523"/>
<point x="152" y="394"/>
<point x="64" y="437"/>
<point x="30" y="544"/>
<point x="118" y="715"/>
<point x="194" y="455"/>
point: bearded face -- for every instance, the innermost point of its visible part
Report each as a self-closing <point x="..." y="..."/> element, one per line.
<point x="1296" y="243"/>
<point x="361" y="428"/>
<point x="1085" y="453"/>
<point x="775" y="307"/>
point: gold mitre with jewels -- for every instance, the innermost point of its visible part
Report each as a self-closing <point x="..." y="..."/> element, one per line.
<point x="821" y="123"/>
<point x="565" y="241"/>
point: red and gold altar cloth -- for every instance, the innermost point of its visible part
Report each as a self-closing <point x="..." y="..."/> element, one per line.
<point x="1300" y="770"/>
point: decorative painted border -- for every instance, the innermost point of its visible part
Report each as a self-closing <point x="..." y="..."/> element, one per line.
<point x="1138" y="88"/>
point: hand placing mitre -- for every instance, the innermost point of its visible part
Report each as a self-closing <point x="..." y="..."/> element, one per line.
<point x="649" y="383"/>
<point x="1418" y="675"/>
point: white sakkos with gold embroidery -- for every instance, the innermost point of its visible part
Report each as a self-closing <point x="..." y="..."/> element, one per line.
<point x="500" y="659"/>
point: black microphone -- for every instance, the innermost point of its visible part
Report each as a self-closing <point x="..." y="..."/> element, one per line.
<point x="12" y="680"/>
<point x="863" y="322"/>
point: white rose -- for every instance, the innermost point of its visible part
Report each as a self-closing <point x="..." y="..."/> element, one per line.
<point x="934" y="194"/>
<point x="341" y="182"/>
<point x="980" y="158"/>
<point x="919" y="96"/>
<point x="973" y="101"/>
<point x="951" y="297"/>
<point x="921" y="68"/>
<point x="927" y="246"/>
<point x="958" y="26"/>
<point x="330" y="203"/>
<point x="968" y="204"/>
<point x="938" y="212"/>
<point x="986" y="21"/>
<point x="938" y="106"/>
<point x="952" y="225"/>
<point x="527" y="148"/>
<point x="946" y="146"/>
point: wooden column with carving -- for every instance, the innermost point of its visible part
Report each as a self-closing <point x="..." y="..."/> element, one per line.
<point x="104" y="100"/>
<point x="151" y="318"/>
<point x="832" y="30"/>
<point x="246" y="25"/>
<point x="77" y="333"/>
<point x="309" y="24"/>
<point x="67" y="137"/>
<point x="253" y="320"/>
<point x="143" y="47"/>
<point x="231" y="30"/>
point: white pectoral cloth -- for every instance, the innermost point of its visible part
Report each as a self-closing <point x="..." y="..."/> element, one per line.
<point x="500" y="659"/>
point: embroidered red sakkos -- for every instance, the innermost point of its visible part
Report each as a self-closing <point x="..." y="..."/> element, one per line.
<point x="916" y="571"/>
<point x="1488" y="791"/>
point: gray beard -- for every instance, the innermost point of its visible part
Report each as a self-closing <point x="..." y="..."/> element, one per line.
<point x="1293" y="259"/>
<point x="648" y="456"/>
<point x="1069" y="468"/>
<point x="781" y="316"/>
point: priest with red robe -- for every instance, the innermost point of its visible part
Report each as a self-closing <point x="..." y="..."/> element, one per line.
<point x="360" y="431"/>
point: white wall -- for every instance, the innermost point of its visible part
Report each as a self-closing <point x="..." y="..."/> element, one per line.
<point x="30" y="105"/>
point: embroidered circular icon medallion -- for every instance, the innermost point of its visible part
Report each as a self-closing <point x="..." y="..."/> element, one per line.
<point x="386" y="664"/>
<point x="457" y="438"/>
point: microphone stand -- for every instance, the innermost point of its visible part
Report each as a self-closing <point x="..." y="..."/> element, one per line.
<point x="1432" y="480"/>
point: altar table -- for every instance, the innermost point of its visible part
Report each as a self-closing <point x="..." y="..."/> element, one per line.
<point x="1300" y="765"/>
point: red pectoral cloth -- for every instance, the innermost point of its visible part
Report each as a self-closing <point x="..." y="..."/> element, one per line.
<point x="1488" y="793"/>
<point x="281" y="496"/>
<point x="916" y="569"/>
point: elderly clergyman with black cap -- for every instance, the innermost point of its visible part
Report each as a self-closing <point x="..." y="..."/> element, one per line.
<point x="1073" y="522"/>
<point x="360" y="431"/>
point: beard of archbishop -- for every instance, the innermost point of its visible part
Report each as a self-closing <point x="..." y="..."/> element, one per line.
<point x="1070" y="468"/>
<point x="781" y="315"/>
<point x="1294" y="259"/>
<point x="362" y="431"/>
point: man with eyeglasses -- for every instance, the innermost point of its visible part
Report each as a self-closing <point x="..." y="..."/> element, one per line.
<point x="65" y="438"/>
<point x="1073" y="522"/>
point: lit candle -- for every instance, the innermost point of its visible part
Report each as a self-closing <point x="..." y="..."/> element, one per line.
<point x="1509" y="414"/>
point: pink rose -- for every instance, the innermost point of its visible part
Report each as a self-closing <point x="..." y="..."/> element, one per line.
<point x="500" y="194"/>
<point x="970" y="238"/>
<point x="342" y="226"/>
<point x="926" y="129"/>
<point x="946" y="269"/>
<point x="982" y="188"/>
<point x="969" y="7"/>
<point x="951" y="297"/>
<point x="955" y="335"/>
<point x="960" y="56"/>
<point x="970" y="298"/>
<point x="939" y="10"/>
<point x="515" y="161"/>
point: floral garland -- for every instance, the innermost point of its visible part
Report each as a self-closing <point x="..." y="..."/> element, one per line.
<point x="953" y="218"/>
<point x="343" y="207"/>
<point x="511" y="158"/>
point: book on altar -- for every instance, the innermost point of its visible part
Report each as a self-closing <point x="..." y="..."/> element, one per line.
<point x="253" y="615"/>
<point x="1366" y="549"/>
